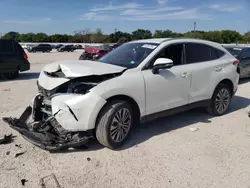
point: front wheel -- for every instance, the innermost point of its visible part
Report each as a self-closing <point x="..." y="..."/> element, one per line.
<point x="220" y="101"/>
<point x="114" y="124"/>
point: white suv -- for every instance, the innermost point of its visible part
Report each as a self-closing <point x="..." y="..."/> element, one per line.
<point x="140" y="80"/>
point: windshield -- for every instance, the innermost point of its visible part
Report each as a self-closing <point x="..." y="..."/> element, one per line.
<point x="129" y="55"/>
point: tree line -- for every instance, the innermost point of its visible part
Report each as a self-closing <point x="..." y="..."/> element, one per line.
<point x="97" y="36"/>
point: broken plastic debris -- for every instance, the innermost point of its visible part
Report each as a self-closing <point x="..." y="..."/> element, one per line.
<point x="19" y="154"/>
<point x="23" y="181"/>
<point x="18" y="145"/>
<point x="193" y="128"/>
<point x="7" y="139"/>
<point x="49" y="181"/>
<point x="88" y="159"/>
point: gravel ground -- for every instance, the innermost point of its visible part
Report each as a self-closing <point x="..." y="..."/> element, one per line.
<point x="163" y="153"/>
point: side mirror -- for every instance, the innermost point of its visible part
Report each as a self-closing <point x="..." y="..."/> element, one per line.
<point x="162" y="63"/>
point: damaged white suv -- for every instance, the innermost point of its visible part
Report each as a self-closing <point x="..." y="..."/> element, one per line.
<point x="140" y="80"/>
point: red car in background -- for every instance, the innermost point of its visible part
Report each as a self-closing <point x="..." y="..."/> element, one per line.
<point x="95" y="52"/>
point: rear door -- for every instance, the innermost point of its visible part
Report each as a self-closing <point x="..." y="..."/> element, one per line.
<point x="245" y="63"/>
<point x="207" y="69"/>
<point x="8" y="57"/>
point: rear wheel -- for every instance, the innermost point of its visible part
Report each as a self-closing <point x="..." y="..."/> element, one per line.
<point x="114" y="124"/>
<point x="220" y="101"/>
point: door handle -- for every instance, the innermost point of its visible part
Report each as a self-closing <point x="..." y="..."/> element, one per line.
<point x="185" y="75"/>
<point x="218" y="69"/>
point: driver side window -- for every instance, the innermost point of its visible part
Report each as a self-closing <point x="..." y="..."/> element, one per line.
<point x="174" y="52"/>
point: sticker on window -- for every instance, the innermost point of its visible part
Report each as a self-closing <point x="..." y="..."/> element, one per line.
<point x="149" y="46"/>
<point x="132" y="62"/>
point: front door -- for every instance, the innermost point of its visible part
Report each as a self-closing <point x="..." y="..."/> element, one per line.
<point x="170" y="88"/>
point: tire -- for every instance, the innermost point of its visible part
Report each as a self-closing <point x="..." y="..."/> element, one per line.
<point x="224" y="91"/>
<point x="11" y="75"/>
<point x="105" y="124"/>
<point x="83" y="56"/>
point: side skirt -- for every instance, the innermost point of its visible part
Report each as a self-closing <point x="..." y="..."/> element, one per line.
<point x="173" y="111"/>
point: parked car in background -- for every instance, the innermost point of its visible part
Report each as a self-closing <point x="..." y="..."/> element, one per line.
<point x="78" y="47"/>
<point x="94" y="52"/>
<point x="66" y="48"/>
<point x="243" y="55"/>
<point x="114" y="46"/>
<point x="40" y="48"/>
<point x="24" y="46"/>
<point x="139" y="81"/>
<point x="13" y="59"/>
<point x="58" y="46"/>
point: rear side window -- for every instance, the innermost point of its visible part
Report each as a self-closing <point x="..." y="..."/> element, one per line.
<point x="6" y="46"/>
<point x="197" y="53"/>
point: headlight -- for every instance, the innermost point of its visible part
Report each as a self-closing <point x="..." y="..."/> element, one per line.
<point x="81" y="87"/>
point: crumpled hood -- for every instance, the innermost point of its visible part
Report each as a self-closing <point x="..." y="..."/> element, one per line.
<point x="73" y="69"/>
<point x="77" y="68"/>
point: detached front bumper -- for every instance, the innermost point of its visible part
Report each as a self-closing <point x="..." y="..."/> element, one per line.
<point x="46" y="136"/>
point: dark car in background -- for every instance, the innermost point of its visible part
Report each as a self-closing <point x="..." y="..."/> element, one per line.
<point x="243" y="55"/>
<point x="58" y="46"/>
<point x="78" y="47"/>
<point x="66" y="48"/>
<point x="13" y="59"/>
<point x="40" y="48"/>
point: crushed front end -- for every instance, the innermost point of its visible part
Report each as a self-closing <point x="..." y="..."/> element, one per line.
<point x="63" y="113"/>
<point x="44" y="130"/>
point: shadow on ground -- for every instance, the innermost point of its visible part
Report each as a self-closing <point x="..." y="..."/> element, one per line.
<point x="244" y="80"/>
<point x="23" y="76"/>
<point x="148" y="130"/>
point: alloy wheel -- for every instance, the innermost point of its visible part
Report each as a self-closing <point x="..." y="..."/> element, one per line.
<point x="222" y="101"/>
<point x="120" y="125"/>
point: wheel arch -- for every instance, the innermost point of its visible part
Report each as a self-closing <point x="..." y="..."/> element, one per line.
<point x="126" y="98"/>
<point x="227" y="82"/>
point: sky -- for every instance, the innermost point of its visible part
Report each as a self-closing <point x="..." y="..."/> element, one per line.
<point x="67" y="16"/>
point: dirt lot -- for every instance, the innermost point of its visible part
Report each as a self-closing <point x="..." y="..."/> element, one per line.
<point x="163" y="153"/>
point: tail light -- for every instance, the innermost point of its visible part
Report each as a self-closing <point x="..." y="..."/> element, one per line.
<point x="25" y="56"/>
<point x="236" y="62"/>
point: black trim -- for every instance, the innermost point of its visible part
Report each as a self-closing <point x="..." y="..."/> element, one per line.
<point x="173" y="111"/>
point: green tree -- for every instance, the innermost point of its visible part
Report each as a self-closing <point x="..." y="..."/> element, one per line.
<point x="141" y="34"/>
<point x="12" y="35"/>
<point x="229" y="36"/>
<point x="247" y="36"/>
<point x="192" y="34"/>
<point x="213" y="36"/>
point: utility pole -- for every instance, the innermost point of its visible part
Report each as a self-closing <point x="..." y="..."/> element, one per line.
<point x="194" y="26"/>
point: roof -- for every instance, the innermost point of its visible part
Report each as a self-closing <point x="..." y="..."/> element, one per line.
<point x="153" y="40"/>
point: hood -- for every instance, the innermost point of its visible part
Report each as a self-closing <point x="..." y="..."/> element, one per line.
<point x="80" y="68"/>
<point x="60" y="72"/>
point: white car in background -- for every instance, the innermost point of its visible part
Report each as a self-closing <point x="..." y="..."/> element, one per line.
<point x="138" y="81"/>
